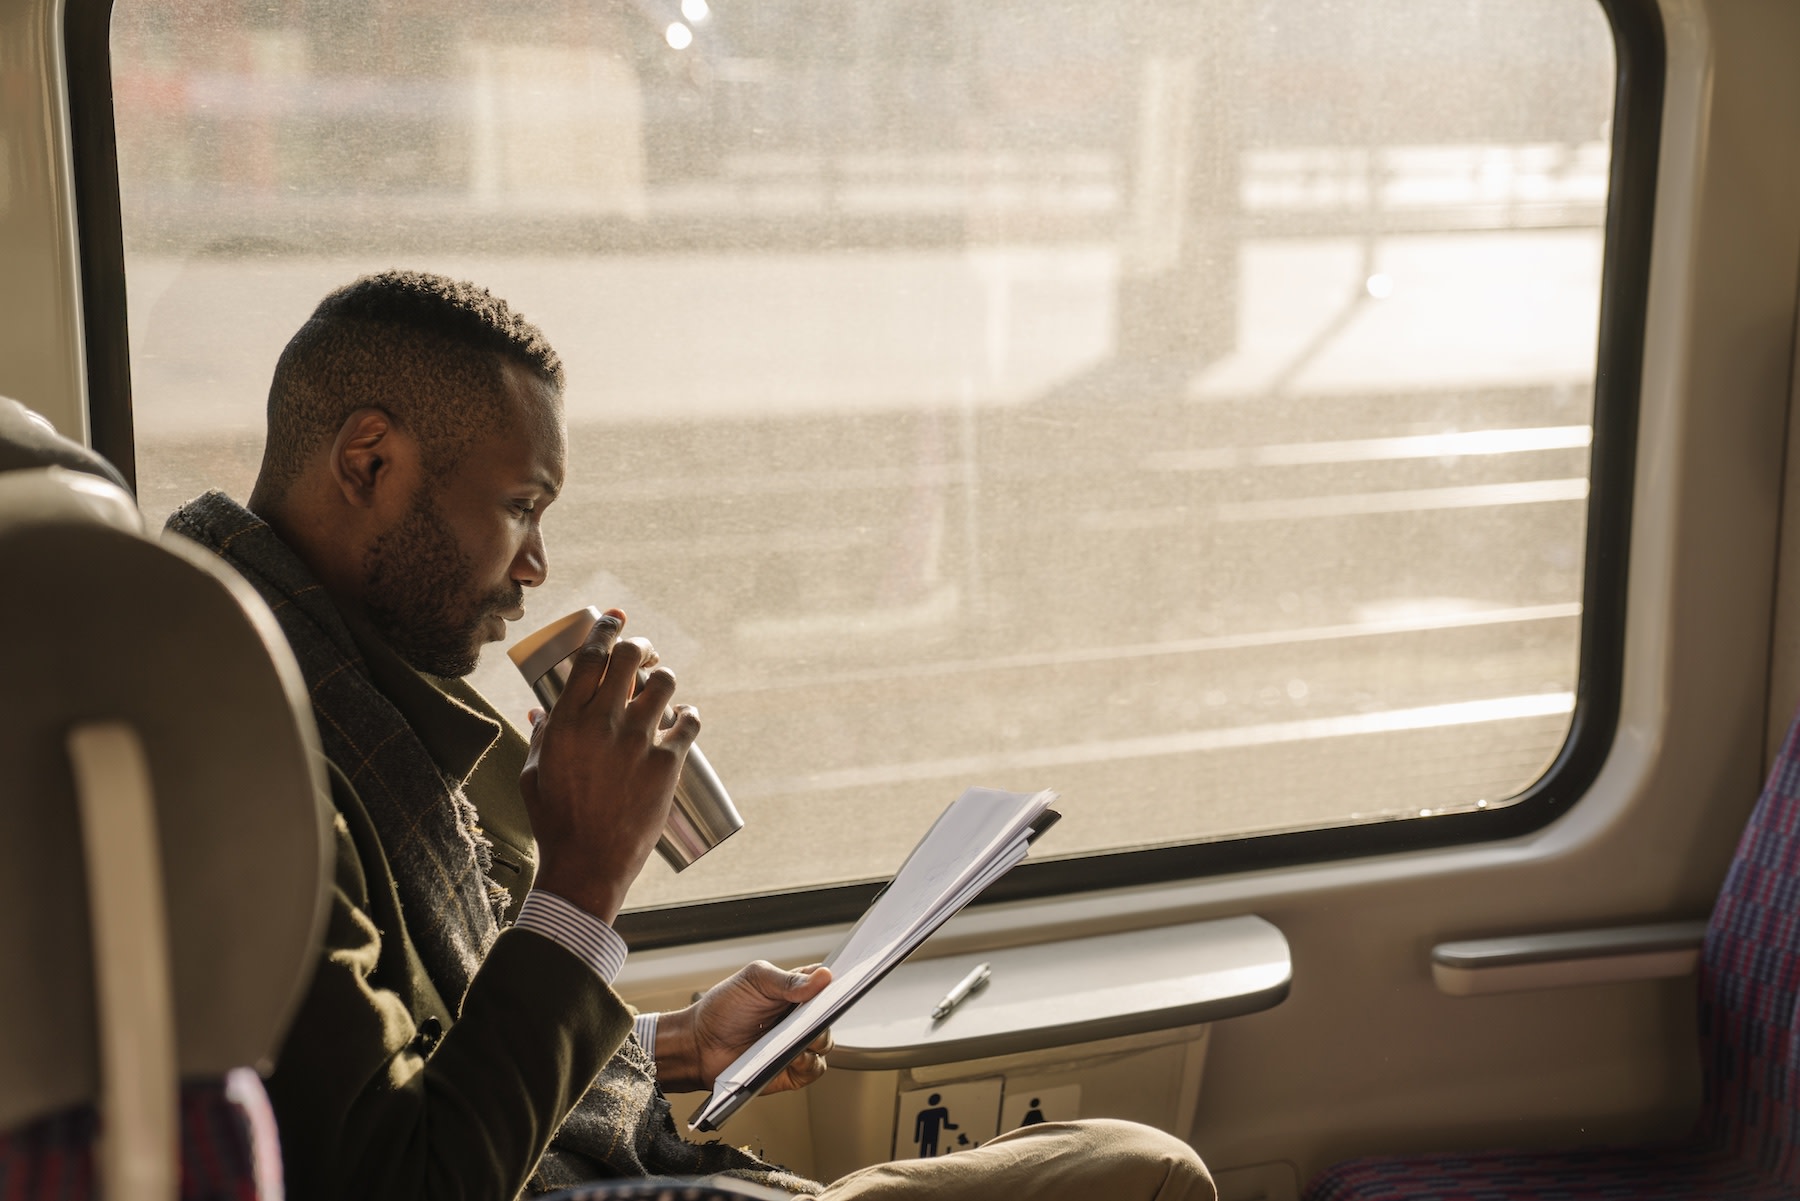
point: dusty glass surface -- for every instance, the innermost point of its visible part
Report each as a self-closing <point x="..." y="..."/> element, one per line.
<point x="1182" y="405"/>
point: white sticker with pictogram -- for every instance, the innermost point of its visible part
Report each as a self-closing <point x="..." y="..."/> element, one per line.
<point x="1030" y="1106"/>
<point x="947" y="1118"/>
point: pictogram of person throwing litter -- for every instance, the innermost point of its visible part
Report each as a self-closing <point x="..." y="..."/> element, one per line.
<point x="931" y="1120"/>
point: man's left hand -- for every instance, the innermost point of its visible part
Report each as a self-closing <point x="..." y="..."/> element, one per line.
<point x="695" y="1044"/>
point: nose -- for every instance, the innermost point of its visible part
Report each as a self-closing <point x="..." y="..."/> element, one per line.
<point x="531" y="566"/>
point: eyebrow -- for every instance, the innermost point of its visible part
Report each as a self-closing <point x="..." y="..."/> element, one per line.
<point x="550" y="487"/>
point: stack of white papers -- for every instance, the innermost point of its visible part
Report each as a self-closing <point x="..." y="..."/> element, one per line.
<point x="978" y="839"/>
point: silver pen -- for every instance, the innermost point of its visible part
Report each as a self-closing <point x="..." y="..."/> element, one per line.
<point x="977" y="978"/>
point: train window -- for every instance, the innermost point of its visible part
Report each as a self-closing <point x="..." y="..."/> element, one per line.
<point x="1189" y="407"/>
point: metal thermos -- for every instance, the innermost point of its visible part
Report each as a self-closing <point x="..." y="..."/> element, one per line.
<point x="703" y="815"/>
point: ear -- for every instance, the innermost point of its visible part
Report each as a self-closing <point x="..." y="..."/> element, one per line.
<point x="371" y="457"/>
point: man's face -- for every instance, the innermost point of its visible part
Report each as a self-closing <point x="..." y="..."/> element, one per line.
<point x="445" y="579"/>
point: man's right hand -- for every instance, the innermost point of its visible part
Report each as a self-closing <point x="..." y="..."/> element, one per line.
<point x="602" y="769"/>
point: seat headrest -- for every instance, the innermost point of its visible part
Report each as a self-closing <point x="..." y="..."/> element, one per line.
<point x="28" y="440"/>
<point x="57" y="494"/>
<point x="103" y="624"/>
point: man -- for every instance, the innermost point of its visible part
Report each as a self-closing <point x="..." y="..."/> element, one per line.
<point x="461" y="1037"/>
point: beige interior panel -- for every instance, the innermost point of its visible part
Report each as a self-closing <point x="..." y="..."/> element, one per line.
<point x="40" y="306"/>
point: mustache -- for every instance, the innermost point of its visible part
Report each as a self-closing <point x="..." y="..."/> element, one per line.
<point x="504" y="598"/>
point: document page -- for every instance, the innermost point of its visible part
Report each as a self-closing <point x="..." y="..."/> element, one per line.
<point x="975" y="841"/>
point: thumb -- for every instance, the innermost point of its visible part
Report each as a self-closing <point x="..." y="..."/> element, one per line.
<point x="534" y="744"/>
<point x="534" y="740"/>
<point x="807" y="982"/>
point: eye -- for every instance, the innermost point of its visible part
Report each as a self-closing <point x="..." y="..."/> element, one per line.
<point x="524" y="508"/>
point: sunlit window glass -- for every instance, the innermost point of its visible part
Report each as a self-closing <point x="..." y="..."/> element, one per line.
<point x="1186" y="406"/>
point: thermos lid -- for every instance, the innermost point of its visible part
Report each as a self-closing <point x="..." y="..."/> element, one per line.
<point x="540" y="650"/>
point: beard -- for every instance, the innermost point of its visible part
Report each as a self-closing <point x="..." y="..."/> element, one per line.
<point x="417" y="593"/>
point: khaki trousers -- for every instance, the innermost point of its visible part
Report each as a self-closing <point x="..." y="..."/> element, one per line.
<point x="1095" y="1160"/>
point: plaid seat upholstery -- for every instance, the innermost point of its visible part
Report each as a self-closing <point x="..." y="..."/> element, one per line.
<point x="228" y="1149"/>
<point x="1743" y="1146"/>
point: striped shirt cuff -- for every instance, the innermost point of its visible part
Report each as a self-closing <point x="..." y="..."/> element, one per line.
<point x="575" y="930"/>
<point x="645" y="1026"/>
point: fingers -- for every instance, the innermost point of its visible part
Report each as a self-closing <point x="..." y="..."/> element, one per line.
<point x="655" y="689"/>
<point x="682" y="727"/>
<point x="592" y="659"/>
<point x="622" y="675"/>
<point x="734" y="1013"/>
<point x="618" y="679"/>
<point x="648" y="657"/>
<point x="806" y="1068"/>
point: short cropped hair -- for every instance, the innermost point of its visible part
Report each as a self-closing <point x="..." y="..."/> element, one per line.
<point x="425" y="349"/>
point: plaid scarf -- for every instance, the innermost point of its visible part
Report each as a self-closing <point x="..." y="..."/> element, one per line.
<point x="622" y="1126"/>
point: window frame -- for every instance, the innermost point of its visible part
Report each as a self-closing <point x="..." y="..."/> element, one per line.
<point x="1640" y="47"/>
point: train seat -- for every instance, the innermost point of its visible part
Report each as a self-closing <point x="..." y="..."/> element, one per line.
<point x="28" y="441"/>
<point x="1746" y="1144"/>
<point x="165" y="835"/>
